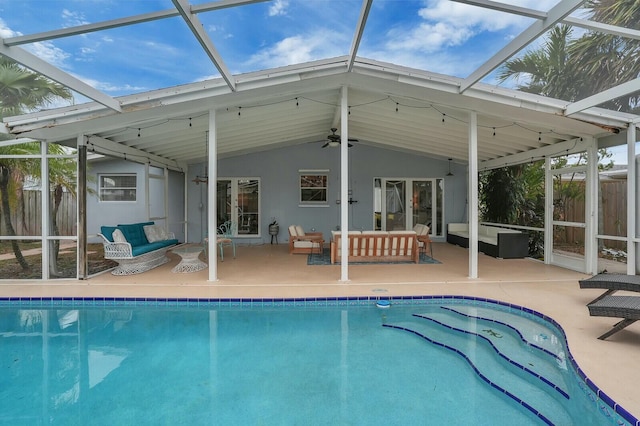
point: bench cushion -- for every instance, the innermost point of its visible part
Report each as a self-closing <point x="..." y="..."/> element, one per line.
<point x="134" y="233"/>
<point x="107" y="231"/>
<point x="146" y="248"/>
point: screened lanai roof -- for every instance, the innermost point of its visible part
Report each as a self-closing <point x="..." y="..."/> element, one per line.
<point x="146" y="74"/>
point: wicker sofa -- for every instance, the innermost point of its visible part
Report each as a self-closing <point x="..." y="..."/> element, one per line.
<point x="492" y="240"/>
<point x="137" y="247"/>
<point x="376" y="246"/>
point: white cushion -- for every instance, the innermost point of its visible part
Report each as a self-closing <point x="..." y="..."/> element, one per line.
<point x="118" y="236"/>
<point x="299" y="231"/>
<point x="292" y="231"/>
<point x="421" y="229"/>
<point x="155" y="233"/>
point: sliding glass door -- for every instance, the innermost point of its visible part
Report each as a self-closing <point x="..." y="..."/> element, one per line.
<point x="238" y="200"/>
<point x="402" y="203"/>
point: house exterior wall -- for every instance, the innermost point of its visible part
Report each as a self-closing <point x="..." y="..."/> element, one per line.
<point x="278" y="171"/>
<point x="101" y="213"/>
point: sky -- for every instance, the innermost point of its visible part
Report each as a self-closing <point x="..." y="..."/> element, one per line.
<point x="439" y="36"/>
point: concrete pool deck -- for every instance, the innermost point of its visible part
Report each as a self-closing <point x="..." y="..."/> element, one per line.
<point x="268" y="271"/>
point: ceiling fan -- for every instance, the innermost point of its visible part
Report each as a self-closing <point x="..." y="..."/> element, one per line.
<point x="334" y="140"/>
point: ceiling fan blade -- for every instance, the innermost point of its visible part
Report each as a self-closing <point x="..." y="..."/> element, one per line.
<point x="350" y="145"/>
<point x="325" y="145"/>
<point x="353" y="140"/>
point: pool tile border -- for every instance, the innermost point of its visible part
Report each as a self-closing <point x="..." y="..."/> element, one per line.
<point x="604" y="403"/>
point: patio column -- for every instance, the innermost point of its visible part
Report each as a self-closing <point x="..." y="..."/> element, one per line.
<point x="591" y="208"/>
<point x="46" y="211"/>
<point x="212" y="224"/>
<point x="344" y="183"/>
<point x="81" y="223"/>
<point x="473" y="194"/>
<point x="632" y="199"/>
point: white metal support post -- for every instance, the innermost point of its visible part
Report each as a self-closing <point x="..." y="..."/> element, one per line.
<point x="632" y="187"/>
<point x="212" y="220"/>
<point x="548" y="211"/>
<point x="473" y="194"/>
<point x="591" y="212"/>
<point x="46" y="211"/>
<point x="81" y="209"/>
<point x="344" y="185"/>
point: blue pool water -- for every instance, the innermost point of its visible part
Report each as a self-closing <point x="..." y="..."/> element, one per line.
<point x="290" y="362"/>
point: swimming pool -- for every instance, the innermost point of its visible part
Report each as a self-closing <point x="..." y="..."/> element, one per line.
<point x="423" y="360"/>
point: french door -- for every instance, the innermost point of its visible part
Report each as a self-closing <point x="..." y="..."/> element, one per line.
<point x="402" y="203"/>
<point x="238" y="200"/>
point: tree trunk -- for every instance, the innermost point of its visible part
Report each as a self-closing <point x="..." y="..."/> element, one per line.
<point x="6" y="217"/>
<point x="55" y="246"/>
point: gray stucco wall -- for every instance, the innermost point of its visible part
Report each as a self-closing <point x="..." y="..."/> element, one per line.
<point x="278" y="171"/>
<point x="112" y="213"/>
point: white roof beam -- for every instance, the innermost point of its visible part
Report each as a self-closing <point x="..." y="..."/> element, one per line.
<point x="107" y="147"/>
<point x="556" y="14"/>
<point x="89" y="28"/>
<point x="357" y="37"/>
<point x="201" y="35"/>
<point x="537" y="14"/>
<point x="121" y="22"/>
<point x="42" y="67"/>
<point x="603" y="28"/>
<point x="604" y="96"/>
<point x="508" y="8"/>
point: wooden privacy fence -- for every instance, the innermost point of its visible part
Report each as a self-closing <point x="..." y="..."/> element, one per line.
<point x="26" y="217"/>
<point x="612" y="215"/>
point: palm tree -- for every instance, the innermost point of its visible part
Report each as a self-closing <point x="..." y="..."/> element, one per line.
<point x="607" y="60"/>
<point x="548" y="70"/>
<point x="21" y="91"/>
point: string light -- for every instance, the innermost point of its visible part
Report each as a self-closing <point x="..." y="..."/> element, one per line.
<point x="383" y="99"/>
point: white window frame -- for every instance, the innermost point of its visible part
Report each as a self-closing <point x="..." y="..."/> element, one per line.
<point x="322" y="203"/>
<point x="101" y="178"/>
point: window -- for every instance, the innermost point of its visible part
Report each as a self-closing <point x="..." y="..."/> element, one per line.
<point x="120" y="187"/>
<point x="313" y="187"/>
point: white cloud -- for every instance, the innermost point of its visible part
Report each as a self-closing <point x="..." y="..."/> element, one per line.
<point x="6" y="32"/>
<point x="278" y="8"/>
<point x="429" y="37"/>
<point x="72" y="19"/>
<point x="300" y="48"/>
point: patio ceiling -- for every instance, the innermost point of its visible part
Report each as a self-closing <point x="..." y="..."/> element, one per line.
<point x="390" y="106"/>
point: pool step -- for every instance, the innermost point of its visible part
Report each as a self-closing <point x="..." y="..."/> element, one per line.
<point x="512" y="341"/>
<point x="544" y="400"/>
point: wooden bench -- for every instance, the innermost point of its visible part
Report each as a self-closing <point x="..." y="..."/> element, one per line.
<point x="376" y="246"/>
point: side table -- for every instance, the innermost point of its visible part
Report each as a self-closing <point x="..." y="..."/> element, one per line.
<point x="189" y="261"/>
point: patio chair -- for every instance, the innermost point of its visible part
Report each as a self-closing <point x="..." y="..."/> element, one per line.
<point x="424" y="241"/>
<point x="301" y="242"/>
<point x="611" y="283"/>
<point x="625" y="307"/>
<point x="226" y="231"/>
